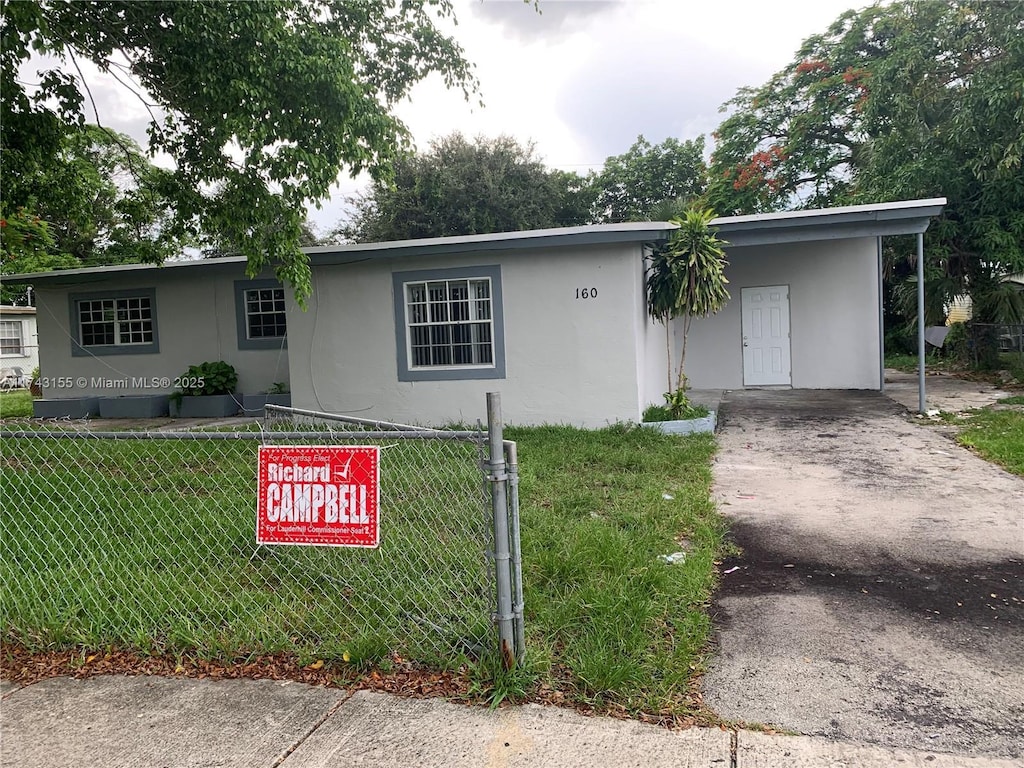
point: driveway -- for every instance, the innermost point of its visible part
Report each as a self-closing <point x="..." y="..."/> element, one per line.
<point x="879" y="596"/>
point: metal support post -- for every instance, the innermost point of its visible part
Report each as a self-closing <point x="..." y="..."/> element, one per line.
<point x="922" y="407"/>
<point x="511" y="456"/>
<point x="498" y="478"/>
<point x="881" y="320"/>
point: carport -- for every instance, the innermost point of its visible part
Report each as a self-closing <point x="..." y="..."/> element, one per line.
<point x="807" y="308"/>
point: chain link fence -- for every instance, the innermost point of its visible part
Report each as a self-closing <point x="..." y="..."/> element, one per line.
<point x="991" y="345"/>
<point x="147" y="540"/>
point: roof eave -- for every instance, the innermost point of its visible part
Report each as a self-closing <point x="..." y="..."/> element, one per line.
<point x="883" y="220"/>
<point x="328" y="255"/>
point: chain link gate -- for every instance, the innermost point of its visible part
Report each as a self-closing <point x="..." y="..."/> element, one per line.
<point x="146" y="540"/>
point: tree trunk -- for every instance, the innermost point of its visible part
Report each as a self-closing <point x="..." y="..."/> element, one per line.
<point x="681" y="380"/>
<point x="668" y="352"/>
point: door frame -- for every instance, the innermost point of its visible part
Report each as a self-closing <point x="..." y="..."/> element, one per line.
<point x="788" y="383"/>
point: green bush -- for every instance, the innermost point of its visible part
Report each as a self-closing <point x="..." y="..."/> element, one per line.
<point x="957" y="346"/>
<point x="216" y="378"/>
<point x="901" y="340"/>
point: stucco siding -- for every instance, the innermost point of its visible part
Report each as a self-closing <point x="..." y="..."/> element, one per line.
<point x="833" y="304"/>
<point x="568" y="360"/>
<point x="652" y="369"/>
<point x="196" y="323"/>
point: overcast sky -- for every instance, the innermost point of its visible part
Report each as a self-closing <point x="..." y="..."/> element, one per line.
<point x="583" y="78"/>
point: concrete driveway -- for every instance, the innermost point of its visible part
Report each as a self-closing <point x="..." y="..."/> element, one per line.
<point x="880" y="593"/>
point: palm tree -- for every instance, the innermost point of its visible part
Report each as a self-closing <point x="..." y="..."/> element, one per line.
<point x="686" y="279"/>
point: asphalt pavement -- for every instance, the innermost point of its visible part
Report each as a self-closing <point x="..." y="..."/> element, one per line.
<point x="879" y="595"/>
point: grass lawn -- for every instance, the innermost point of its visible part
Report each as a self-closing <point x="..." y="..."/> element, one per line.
<point x="15" y="403"/>
<point x="135" y="546"/>
<point x="607" y="619"/>
<point x="997" y="435"/>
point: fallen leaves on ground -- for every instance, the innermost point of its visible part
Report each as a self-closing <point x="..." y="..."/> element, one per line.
<point x="24" y="667"/>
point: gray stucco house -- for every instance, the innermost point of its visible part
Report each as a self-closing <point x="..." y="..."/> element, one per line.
<point x="418" y="331"/>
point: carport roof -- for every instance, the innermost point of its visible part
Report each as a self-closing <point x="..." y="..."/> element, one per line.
<point x="906" y="217"/>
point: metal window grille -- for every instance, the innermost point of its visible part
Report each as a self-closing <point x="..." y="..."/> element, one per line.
<point x="265" y="315"/>
<point x="117" y="322"/>
<point x="450" y="323"/>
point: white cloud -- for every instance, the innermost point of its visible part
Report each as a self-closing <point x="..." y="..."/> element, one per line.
<point x="582" y="78"/>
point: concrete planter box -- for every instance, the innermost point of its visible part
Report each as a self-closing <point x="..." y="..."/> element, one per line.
<point x="72" y="407"/>
<point x="204" y="407"/>
<point x="686" y="426"/>
<point x="252" y="405"/>
<point x="134" y="407"/>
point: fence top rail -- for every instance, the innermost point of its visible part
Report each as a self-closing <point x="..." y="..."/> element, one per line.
<point x="426" y="434"/>
<point x="381" y="425"/>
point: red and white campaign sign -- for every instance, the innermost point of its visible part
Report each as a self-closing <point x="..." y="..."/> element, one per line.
<point x="319" y="496"/>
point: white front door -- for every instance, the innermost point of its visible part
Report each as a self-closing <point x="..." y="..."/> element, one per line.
<point x="766" y="336"/>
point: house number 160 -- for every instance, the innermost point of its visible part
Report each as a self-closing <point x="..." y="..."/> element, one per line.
<point x="586" y="293"/>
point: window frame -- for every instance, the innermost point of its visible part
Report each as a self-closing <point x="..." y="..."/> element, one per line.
<point x="242" y="315"/>
<point x="403" y="337"/>
<point x="22" y="350"/>
<point x="78" y="349"/>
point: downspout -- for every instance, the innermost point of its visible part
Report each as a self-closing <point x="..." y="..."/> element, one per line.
<point x="881" y="321"/>
<point x="920" y="323"/>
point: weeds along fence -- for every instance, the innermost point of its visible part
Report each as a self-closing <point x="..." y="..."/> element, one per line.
<point x="991" y="345"/>
<point x="147" y="540"/>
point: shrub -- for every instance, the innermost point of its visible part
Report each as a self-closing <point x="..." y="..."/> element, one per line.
<point x="216" y="378"/>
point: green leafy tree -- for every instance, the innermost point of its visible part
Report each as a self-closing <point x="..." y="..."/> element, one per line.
<point x="906" y="100"/>
<point x="101" y="200"/>
<point x="686" y="279"/>
<point x="632" y="184"/>
<point x="264" y="102"/>
<point x="463" y="187"/>
<point x="26" y="246"/>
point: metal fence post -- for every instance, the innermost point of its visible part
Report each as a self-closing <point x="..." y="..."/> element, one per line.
<point x="512" y="457"/>
<point x="499" y="505"/>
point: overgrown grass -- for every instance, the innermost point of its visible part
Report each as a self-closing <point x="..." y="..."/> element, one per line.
<point x="932" y="362"/>
<point x="1011" y="363"/>
<point x="997" y="435"/>
<point x="607" y="619"/>
<point x="151" y="545"/>
<point x="654" y="413"/>
<point x="15" y="404"/>
<point x="169" y="564"/>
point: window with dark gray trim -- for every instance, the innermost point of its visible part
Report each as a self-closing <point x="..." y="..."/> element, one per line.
<point x="448" y="324"/>
<point x="114" y="323"/>
<point x="261" y="314"/>
<point x="12" y="341"/>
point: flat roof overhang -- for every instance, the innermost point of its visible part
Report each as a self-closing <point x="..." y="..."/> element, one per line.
<point x="877" y="220"/>
<point x="594" y="234"/>
<point x="882" y="219"/>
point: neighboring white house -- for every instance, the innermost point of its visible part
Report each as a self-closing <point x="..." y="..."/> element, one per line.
<point x="555" y="320"/>
<point x="19" y="344"/>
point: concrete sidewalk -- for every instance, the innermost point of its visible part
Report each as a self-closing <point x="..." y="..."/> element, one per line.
<point x="169" y="722"/>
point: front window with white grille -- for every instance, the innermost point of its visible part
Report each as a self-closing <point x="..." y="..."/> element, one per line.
<point x="450" y="323"/>
<point x="115" y="322"/>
